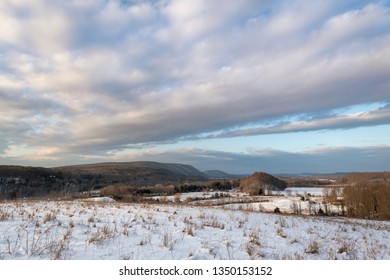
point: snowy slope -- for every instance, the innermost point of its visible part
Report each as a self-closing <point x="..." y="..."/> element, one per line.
<point x="108" y="230"/>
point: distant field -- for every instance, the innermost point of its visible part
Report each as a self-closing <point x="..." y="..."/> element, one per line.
<point x="288" y="201"/>
<point x="313" y="191"/>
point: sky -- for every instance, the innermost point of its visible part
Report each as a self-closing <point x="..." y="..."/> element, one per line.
<point x="240" y="86"/>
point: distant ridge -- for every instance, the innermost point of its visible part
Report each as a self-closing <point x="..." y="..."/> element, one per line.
<point x="121" y="168"/>
<point x="137" y="173"/>
<point x="310" y="175"/>
<point x="217" y="174"/>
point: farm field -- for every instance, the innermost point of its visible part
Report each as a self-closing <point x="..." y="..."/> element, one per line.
<point x="103" y="229"/>
<point x="288" y="201"/>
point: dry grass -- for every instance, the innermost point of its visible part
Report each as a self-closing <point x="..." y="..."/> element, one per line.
<point x="4" y="216"/>
<point x="213" y="223"/>
<point x="254" y="238"/>
<point x="313" y="248"/>
<point x="49" y="217"/>
<point x="281" y="232"/>
<point x="71" y="224"/>
<point x="102" y="234"/>
<point x="62" y="246"/>
<point x="145" y="240"/>
<point x="168" y="241"/>
<point x="190" y="230"/>
<point x="252" y="247"/>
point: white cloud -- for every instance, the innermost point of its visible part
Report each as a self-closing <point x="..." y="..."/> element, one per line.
<point x="191" y="20"/>
<point x="116" y="17"/>
<point x="35" y="27"/>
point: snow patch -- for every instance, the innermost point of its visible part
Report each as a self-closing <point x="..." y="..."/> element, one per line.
<point x="100" y="199"/>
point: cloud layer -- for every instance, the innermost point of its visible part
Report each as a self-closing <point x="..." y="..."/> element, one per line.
<point x="94" y="78"/>
<point x="328" y="160"/>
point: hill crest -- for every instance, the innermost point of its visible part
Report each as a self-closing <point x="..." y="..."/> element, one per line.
<point x="261" y="182"/>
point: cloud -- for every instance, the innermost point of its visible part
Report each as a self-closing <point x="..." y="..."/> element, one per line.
<point x="98" y="77"/>
<point x="336" y="159"/>
<point x="35" y="26"/>
<point x="376" y="117"/>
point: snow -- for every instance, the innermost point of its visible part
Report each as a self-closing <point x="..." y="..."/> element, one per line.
<point x="303" y="191"/>
<point x="91" y="230"/>
<point x="286" y="205"/>
<point x="100" y="199"/>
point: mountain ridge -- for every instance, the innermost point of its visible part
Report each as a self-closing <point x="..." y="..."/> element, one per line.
<point x="105" y="167"/>
<point x="218" y="174"/>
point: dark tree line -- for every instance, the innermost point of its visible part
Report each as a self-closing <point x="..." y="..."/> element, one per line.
<point x="22" y="182"/>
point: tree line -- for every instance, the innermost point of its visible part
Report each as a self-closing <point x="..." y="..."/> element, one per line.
<point x="368" y="200"/>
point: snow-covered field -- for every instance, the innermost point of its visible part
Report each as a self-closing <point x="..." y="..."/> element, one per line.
<point x="301" y="191"/>
<point x="288" y="201"/>
<point x="108" y="230"/>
